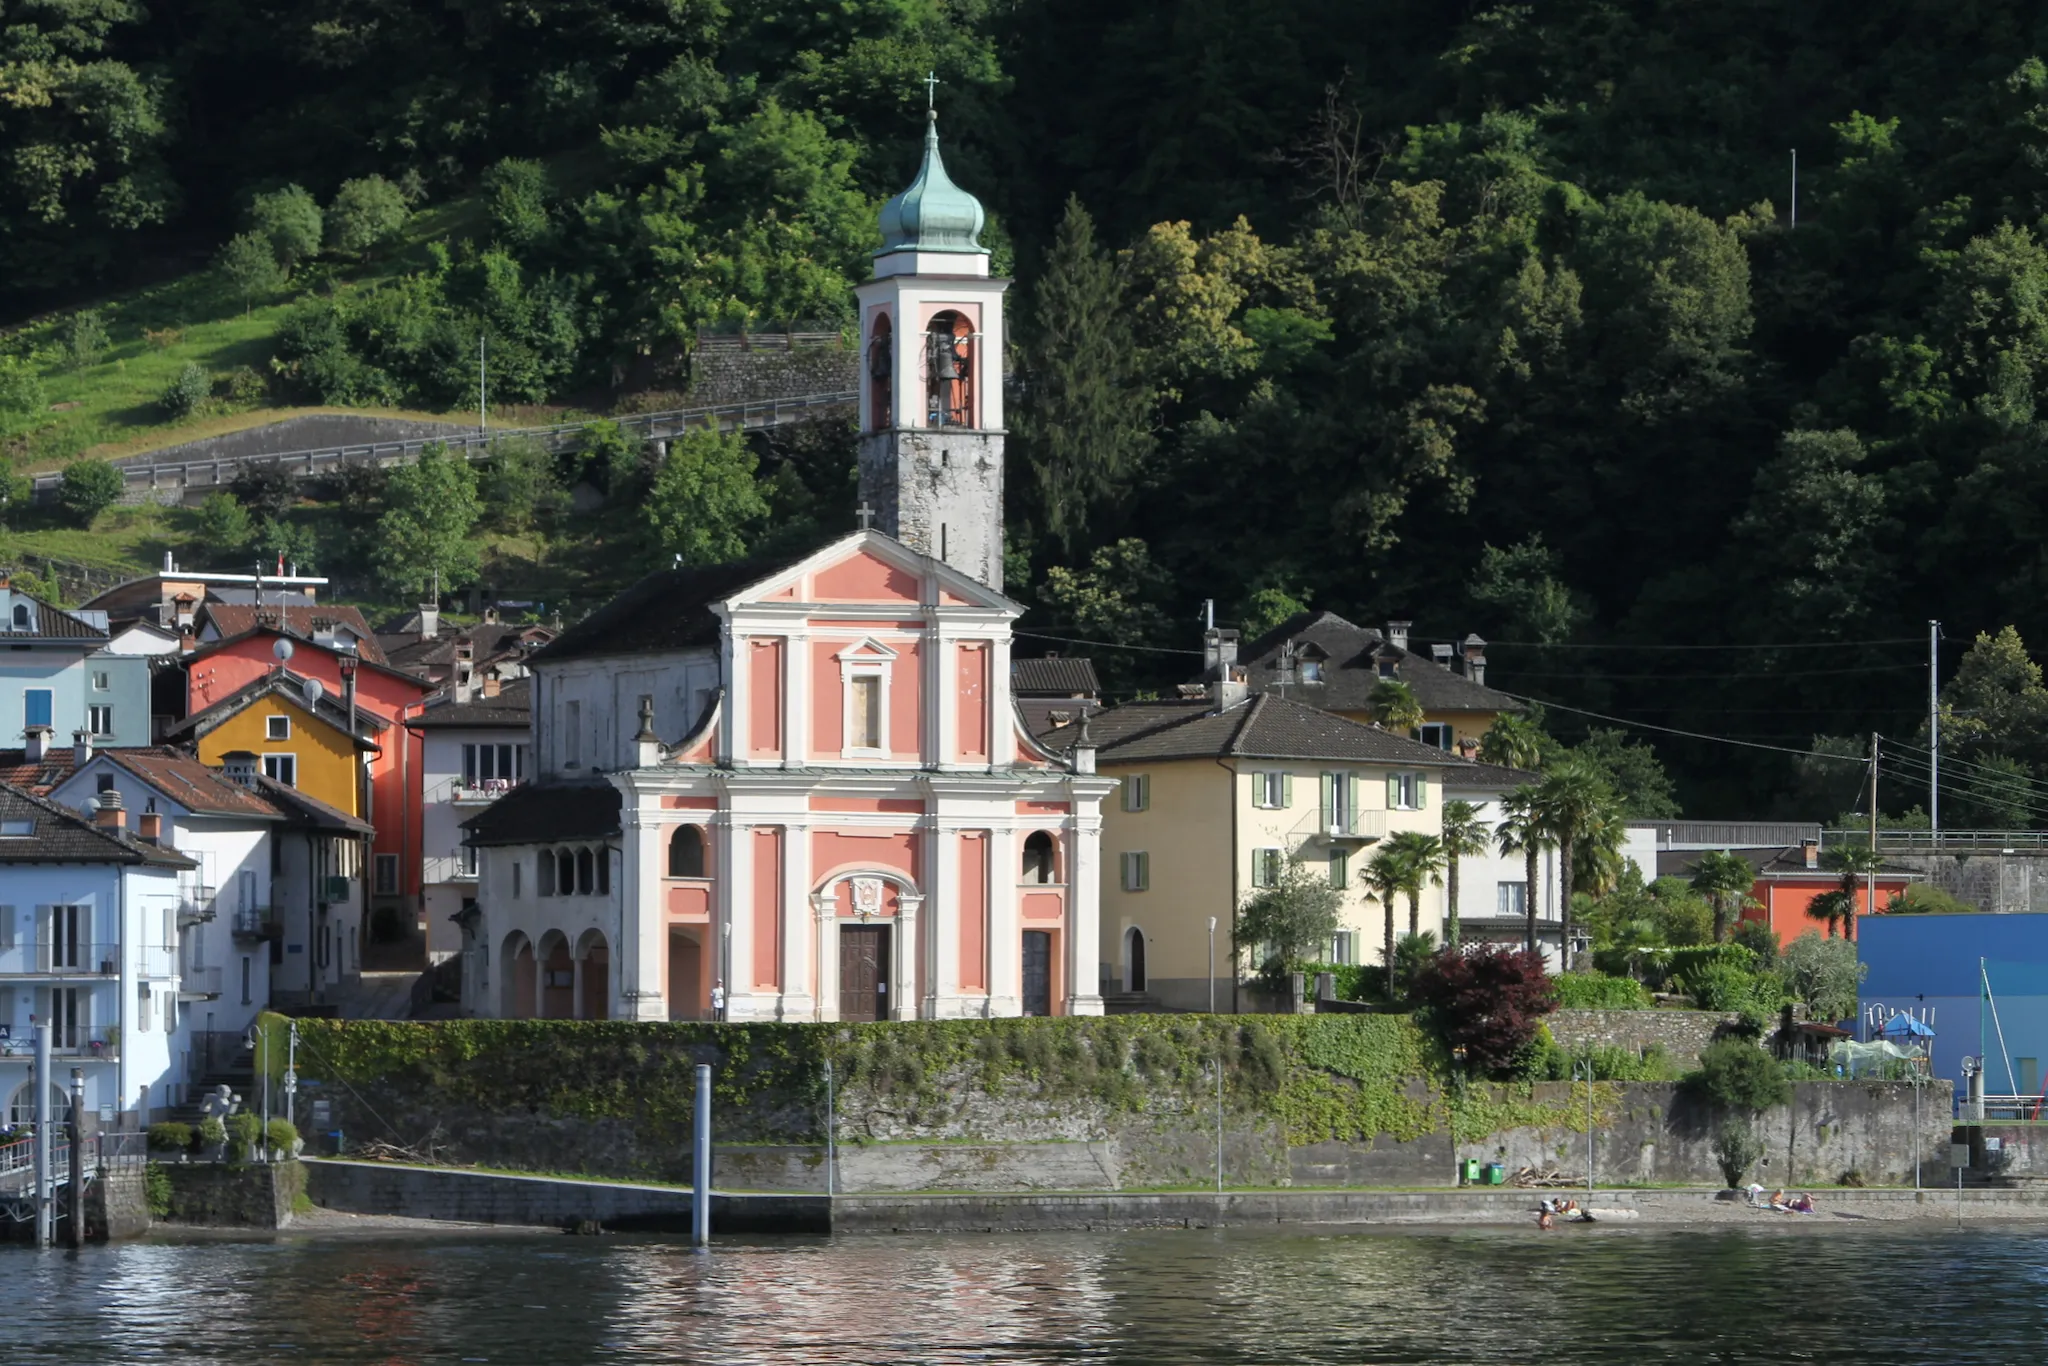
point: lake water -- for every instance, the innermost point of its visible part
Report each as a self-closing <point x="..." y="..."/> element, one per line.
<point x="1508" y="1295"/>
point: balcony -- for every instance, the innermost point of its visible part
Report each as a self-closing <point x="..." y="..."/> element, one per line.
<point x="1351" y="827"/>
<point x="199" y="984"/>
<point x="256" y="923"/>
<point x="480" y="791"/>
<point x="102" y="1042"/>
<point x="69" y="958"/>
<point x="195" y="906"/>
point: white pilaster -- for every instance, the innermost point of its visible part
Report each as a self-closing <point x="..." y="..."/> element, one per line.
<point x="643" y="947"/>
<point x="1005" y="927"/>
<point x="942" y="969"/>
<point x="825" y="919"/>
<point x="903" y="989"/>
<point x="1084" y="905"/>
<point x="799" y="976"/>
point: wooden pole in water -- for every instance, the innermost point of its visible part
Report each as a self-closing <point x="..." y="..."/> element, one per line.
<point x="74" y="1204"/>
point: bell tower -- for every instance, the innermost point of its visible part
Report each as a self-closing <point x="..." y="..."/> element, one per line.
<point x="931" y="407"/>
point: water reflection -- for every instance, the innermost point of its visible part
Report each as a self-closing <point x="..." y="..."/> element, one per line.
<point x="1620" y="1296"/>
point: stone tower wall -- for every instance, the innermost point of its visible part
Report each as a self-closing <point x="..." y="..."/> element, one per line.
<point x="939" y="491"/>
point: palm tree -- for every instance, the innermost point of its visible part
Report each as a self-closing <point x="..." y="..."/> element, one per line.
<point x="1522" y="831"/>
<point x="1465" y="836"/>
<point x="1394" y="706"/>
<point x="1513" y="741"/>
<point x="1723" y="879"/>
<point x="1833" y="907"/>
<point x="1422" y="862"/>
<point x="1573" y="802"/>
<point x="1855" y="862"/>
<point x="1384" y="879"/>
<point x="1597" y="862"/>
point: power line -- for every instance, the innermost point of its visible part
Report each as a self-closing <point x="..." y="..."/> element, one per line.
<point x="1104" y="644"/>
<point x="1757" y="673"/>
<point x="1760" y="645"/>
<point x="1859" y="760"/>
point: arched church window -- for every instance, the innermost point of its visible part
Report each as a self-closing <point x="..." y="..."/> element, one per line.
<point x="1038" y="857"/>
<point x="949" y="371"/>
<point x="686" y="852"/>
<point x="881" y="369"/>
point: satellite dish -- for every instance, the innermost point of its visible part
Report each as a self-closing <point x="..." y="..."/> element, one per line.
<point x="283" y="650"/>
<point x="314" y="690"/>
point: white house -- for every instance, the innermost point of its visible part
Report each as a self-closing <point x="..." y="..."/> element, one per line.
<point x="226" y="924"/>
<point x="88" y="935"/>
<point x="474" y="750"/>
<point x="1493" y="887"/>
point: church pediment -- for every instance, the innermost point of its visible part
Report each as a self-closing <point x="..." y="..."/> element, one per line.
<point x="870" y="568"/>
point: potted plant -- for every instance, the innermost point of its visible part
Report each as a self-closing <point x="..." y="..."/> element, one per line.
<point x="171" y="1137"/>
<point x="245" y="1131"/>
<point x="213" y="1138"/>
<point x="283" y="1139"/>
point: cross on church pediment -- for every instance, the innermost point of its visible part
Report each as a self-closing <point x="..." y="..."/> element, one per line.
<point x="866" y="515"/>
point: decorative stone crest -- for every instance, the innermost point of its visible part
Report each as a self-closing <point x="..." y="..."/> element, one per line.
<point x="867" y="896"/>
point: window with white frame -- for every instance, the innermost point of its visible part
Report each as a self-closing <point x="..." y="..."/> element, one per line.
<point x="1311" y="670"/>
<point x="282" y="768"/>
<point x="1137" y="791"/>
<point x="1137" y="866"/>
<point x="1407" y="792"/>
<point x="1437" y="735"/>
<point x="1344" y="948"/>
<point x="1339" y="801"/>
<point x="493" y="765"/>
<point x="1266" y="867"/>
<point x="99" y="719"/>
<point x="864" y="711"/>
<point x="1272" y="791"/>
<point x="101" y="682"/>
<point x="277" y="727"/>
<point x="465" y="860"/>
<point x="1511" y="898"/>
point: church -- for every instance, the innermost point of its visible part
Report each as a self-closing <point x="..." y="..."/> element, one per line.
<point x="801" y="790"/>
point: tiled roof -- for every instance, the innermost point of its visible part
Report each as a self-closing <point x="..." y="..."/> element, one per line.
<point x="1054" y="676"/>
<point x="54" y="623"/>
<point x="1045" y="715"/>
<point x="304" y="621"/>
<point x="1350" y="670"/>
<point x="670" y="609"/>
<point x="302" y="810"/>
<point x="17" y="771"/>
<point x="293" y="688"/>
<point x="537" y="813"/>
<point x="487" y="640"/>
<point x="191" y="784"/>
<point x="1266" y="727"/>
<point x="512" y="709"/>
<point x="1473" y="777"/>
<point x="58" y="835"/>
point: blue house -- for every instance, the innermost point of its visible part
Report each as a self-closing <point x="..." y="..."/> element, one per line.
<point x="1980" y="981"/>
<point x="58" y="677"/>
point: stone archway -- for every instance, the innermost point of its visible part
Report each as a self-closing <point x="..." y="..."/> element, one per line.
<point x="867" y="948"/>
<point x="518" y="978"/>
<point x="557" y="977"/>
<point x="593" y="976"/>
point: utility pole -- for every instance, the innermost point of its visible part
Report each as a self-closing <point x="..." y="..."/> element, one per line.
<point x="1870" y="868"/>
<point x="481" y="371"/>
<point x="1212" y="965"/>
<point x="1795" y="187"/>
<point x="1934" y="730"/>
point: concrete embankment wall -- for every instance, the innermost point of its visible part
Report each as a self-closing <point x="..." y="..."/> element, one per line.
<point x="546" y="1202"/>
<point x="223" y="1195"/>
<point x="311" y="432"/>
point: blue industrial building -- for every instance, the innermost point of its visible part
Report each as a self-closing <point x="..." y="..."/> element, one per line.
<point x="1936" y="968"/>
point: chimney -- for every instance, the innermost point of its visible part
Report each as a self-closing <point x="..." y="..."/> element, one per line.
<point x="1475" y="658"/>
<point x="109" y="814"/>
<point x="491" y="616"/>
<point x="36" y="745"/>
<point x="646" y="744"/>
<point x="1810" y="851"/>
<point x="239" y="767"/>
<point x="170" y="565"/>
<point x="1397" y="634"/>
<point x="430" y="621"/>
<point x="150" y="826"/>
<point x="1440" y="654"/>
<point x="491" y="685"/>
<point x="1219" y="648"/>
<point x="81" y="748"/>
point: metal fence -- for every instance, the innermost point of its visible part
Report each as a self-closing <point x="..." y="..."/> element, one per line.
<point x="145" y="474"/>
<point x="1942" y="842"/>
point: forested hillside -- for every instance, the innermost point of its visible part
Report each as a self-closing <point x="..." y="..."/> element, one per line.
<point x="1495" y="317"/>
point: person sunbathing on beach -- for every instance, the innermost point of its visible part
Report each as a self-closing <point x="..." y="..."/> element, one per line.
<point x="1803" y="1205"/>
<point x="1778" y="1202"/>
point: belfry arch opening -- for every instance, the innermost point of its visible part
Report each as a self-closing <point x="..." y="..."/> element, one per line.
<point x="881" y="365"/>
<point x="950" y="367"/>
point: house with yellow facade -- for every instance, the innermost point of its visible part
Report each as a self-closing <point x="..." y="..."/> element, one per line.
<point x="292" y="731"/>
<point x="1217" y="795"/>
<point x="1329" y="663"/>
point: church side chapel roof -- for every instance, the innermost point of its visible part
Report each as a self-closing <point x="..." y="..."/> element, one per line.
<point x="1054" y="676"/>
<point x="541" y="813"/>
<point x="669" y="609"/>
<point x="1350" y="670"/>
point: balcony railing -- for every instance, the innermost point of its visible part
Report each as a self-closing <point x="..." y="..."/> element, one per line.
<point x="195" y="906"/>
<point x="198" y="984"/>
<point x="480" y="791"/>
<point x="103" y="1041"/>
<point x="255" y="922"/>
<point x="62" y="958"/>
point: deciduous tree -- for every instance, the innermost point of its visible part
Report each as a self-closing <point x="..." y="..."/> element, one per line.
<point x="430" y="510"/>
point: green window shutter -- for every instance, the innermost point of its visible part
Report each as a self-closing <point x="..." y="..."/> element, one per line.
<point x="1340" y="872"/>
<point x="1329" y="796"/>
<point x="1393" y="792"/>
<point x="1144" y="872"/>
<point x="1286" y="789"/>
<point x="1260" y="790"/>
<point x="1422" y="792"/>
<point x="1351" y="798"/>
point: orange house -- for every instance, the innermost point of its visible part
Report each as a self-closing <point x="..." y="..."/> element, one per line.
<point x="1791" y="880"/>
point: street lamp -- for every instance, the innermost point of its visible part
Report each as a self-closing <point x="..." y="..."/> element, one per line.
<point x="1212" y="965"/>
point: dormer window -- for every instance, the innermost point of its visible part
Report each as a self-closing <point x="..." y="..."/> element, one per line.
<point x="1388" y="667"/>
<point x="1311" y="670"/>
<point x="22" y="620"/>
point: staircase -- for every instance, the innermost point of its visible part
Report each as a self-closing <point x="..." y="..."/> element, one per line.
<point x="218" y="1059"/>
<point x="1130" y="1003"/>
<point x="374" y="996"/>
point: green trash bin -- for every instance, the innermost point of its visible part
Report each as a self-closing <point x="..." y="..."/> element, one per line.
<point x="1496" y="1174"/>
<point x="1469" y="1171"/>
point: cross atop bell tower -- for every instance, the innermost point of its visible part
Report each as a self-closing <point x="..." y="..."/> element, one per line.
<point x="931" y="409"/>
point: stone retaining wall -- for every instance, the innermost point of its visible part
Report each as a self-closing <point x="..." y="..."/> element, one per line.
<point x="234" y="1196"/>
<point x="729" y="375"/>
<point x="1681" y="1033"/>
<point x="310" y="432"/>
<point x="474" y="1197"/>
